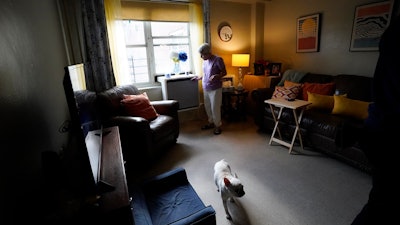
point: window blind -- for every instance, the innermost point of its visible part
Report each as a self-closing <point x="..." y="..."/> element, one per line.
<point x="155" y="11"/>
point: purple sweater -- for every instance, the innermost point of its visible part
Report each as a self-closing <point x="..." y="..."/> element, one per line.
<point x="213" y="65"/>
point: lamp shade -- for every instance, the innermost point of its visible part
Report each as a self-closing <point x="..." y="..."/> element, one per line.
<point x="240" y="60"/>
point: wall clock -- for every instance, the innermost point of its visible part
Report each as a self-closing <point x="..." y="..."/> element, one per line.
<point x="225" y="33"/>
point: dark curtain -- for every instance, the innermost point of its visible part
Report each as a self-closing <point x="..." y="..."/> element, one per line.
<point x="72" y="26"/>
<point x="98" y="67"/>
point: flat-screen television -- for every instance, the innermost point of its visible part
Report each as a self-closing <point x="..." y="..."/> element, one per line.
<point x="83" y="156"/>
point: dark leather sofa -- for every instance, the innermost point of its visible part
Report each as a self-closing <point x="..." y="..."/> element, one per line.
<point x="141" y="140"/>
<point x="335" y="135"/>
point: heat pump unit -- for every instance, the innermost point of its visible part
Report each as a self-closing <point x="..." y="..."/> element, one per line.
<point x="181" y="88"/>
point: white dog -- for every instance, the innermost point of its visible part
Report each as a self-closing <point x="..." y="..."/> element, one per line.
<point x="228" y="184"/>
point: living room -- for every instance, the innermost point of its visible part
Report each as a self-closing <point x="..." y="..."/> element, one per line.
<point x="33" y="59"/>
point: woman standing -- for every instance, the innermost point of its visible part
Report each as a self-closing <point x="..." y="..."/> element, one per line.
<point x="213" y="70"/>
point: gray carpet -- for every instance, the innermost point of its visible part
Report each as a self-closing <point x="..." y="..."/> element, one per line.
<point x="302" y="188"/>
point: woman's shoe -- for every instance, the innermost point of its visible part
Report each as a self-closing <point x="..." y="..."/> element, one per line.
<point x="217" y="131"/>
<point x="207" y="126"/>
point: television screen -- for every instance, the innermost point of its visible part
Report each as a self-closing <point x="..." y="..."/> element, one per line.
<point x="81" y="166"/>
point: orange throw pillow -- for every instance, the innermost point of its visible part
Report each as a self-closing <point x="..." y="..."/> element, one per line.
<point x="317" y="88"/>
<point x="139" y="105"/>
<point x="289" y="83"/>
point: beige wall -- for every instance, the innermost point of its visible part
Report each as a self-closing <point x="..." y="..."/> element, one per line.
<point x="334" y="56"/>
<point x="279" y="41"/>
<point x="238" y="15"/>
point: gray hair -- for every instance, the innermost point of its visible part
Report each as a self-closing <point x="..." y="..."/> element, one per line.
<point x="205" y="48"/>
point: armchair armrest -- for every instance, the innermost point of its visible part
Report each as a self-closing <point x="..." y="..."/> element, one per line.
<point x="133" y="122"/>
<point x="166" y="107"/>
<point x="135" y="136"/>
<point x="203" y="216"/>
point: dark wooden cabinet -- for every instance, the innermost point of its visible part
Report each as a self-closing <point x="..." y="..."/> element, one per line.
<point x="108" y="202"/>
<point x="234" y="104"/>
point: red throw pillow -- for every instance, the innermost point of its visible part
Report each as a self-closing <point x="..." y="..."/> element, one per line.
<point x="139" y="105"/>
<point x="317" y="88"/>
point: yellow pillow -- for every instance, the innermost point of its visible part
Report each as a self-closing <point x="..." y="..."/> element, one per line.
<point x="350" y="107"/>
<point x="321" y="102"/>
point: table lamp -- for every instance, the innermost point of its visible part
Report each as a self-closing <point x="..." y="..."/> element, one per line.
<point x="240" y="60"/>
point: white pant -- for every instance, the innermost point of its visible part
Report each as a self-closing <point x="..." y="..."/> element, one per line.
<point x="212" y="104"/>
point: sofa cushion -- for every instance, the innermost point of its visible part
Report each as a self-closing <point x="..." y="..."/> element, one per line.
<point x="350" y="107"/>
<point x="317" y="78"/>
<point x="313" y="121"/>
<point x="169" y="198"/>
<point x="324" y="124"/>
<point x="320" y="102"/>
<point x="286" y="93"/>
<point x="324" y="103"/>
<point x="139" y="105"/>
<point x="355" y="86"/>
<point x="323" y="89"/>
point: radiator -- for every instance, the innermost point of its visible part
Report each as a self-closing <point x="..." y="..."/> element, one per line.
<point x="182" y="89"/>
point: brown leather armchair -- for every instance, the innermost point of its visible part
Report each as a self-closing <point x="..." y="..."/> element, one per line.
<point x="141" y="140"/>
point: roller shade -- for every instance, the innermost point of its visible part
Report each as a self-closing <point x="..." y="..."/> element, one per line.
<point x="155" y="11"/>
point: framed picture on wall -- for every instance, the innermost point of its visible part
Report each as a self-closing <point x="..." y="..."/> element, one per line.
<point x="258" y="69"/>
<point x="308" y="32"/>
<point x="370" y="21"/>
<point x="274" y="69"/>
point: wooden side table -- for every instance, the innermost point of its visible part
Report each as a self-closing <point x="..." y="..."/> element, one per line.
<point x="234" y="104"/>
<point x="293" y="105"/>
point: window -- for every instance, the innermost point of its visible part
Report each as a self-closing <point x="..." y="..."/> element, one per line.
<point x="149" y="45"/>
